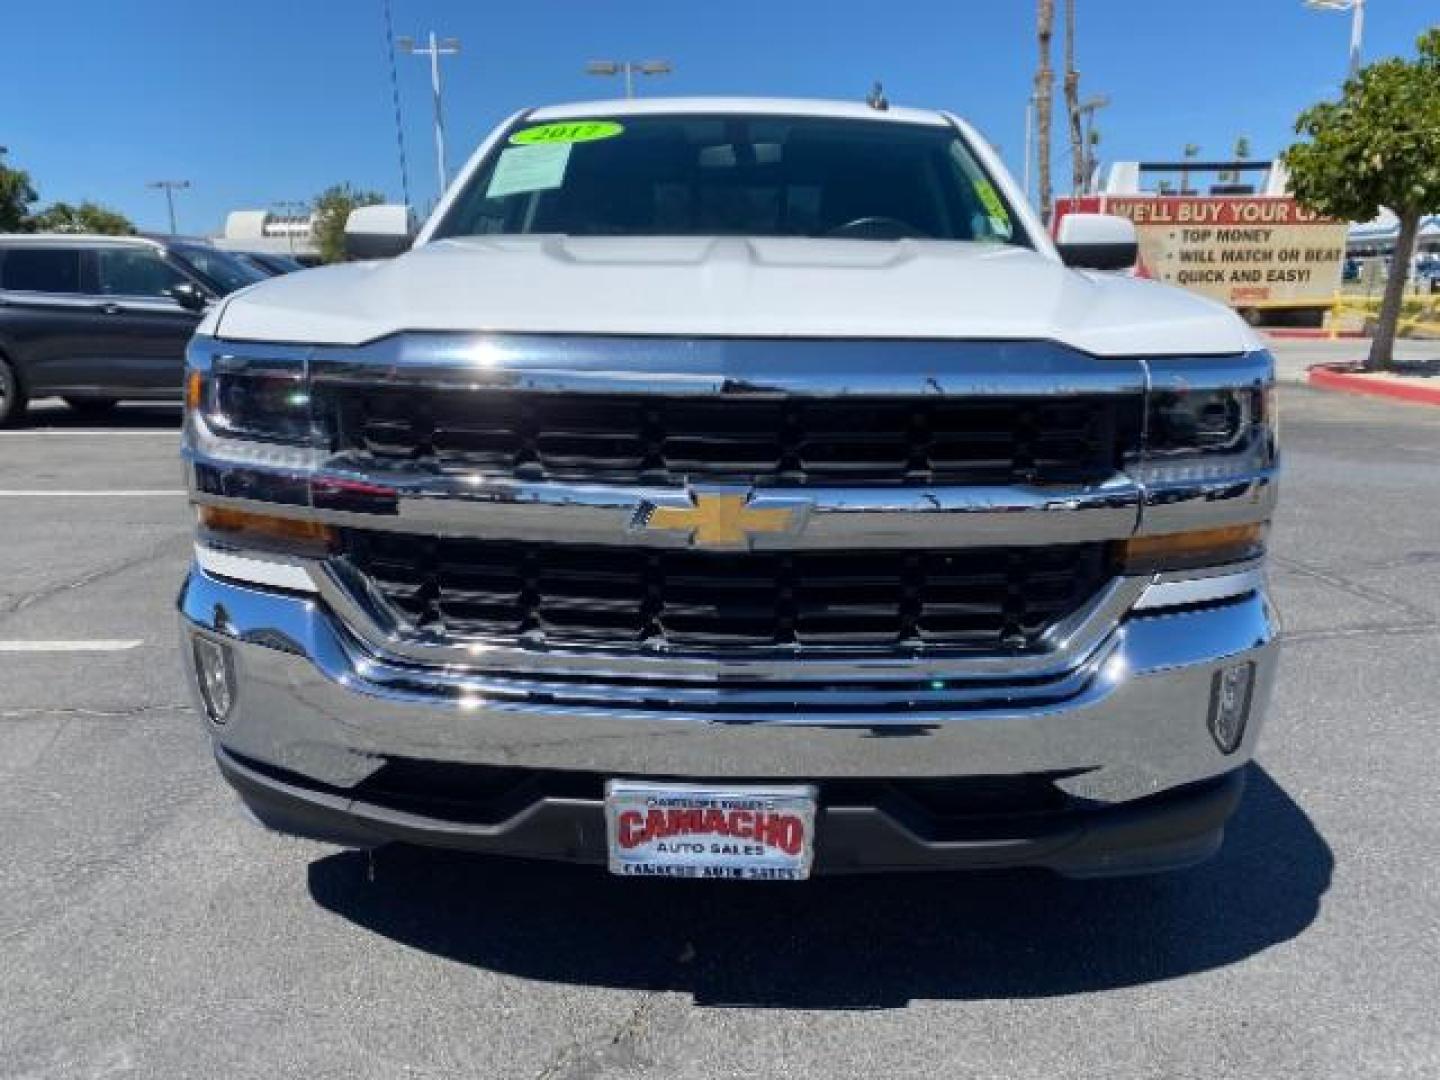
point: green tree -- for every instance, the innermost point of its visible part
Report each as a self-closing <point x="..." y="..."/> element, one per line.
<point x="1378" y="146"/>
<point x="16" y="195"/>
<point x="88" y="217"/>
<point x="332" y="207"/>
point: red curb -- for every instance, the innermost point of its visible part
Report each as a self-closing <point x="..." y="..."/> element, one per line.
<point x="1310" y="334"/>
<point x="1336" y="377"/>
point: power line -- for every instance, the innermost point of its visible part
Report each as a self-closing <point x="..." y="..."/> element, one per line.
<point x="395" y="97"/>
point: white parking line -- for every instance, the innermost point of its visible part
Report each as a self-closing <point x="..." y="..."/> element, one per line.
<point x="15" y="493"/>
<point x="16" y="433"/>
<point x="97" y="645"/>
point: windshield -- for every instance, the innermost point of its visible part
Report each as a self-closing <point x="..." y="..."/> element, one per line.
<point x="277" y="264"/>
<point x="221" y="269"/>
<point x="733" y="176"/>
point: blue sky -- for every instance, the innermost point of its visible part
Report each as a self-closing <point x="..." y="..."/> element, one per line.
<point x="271" y="100"/>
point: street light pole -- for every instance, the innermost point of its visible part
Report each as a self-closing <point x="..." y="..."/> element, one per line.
<point x="1087" y="112"/>
<point x="170" y="187"/>
<point x="1357" y="34"/>
<point x="629" y="69"/>
<point x="436" y="49"/>
<point x="1190" y="151"/>
<point x="1357" y="24"/>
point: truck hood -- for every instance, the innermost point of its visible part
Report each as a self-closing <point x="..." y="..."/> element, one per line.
<point x="733" y="287"/>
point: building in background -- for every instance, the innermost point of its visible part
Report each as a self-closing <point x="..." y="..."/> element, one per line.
<point x="1377" y="237"/>
<point x="270" y="233"/>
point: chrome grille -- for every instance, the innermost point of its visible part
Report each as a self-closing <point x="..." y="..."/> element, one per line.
<point x="983" y="599"/>
<point x="537" y="435"/>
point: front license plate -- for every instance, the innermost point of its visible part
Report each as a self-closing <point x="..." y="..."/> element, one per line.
<point x="700" y="831"/>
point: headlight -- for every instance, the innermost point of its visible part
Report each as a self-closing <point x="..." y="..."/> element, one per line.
<point x="1200" y="421"/>
<point x="1207" y="435"/>
<point x="248" y="405"/>
<point x="270" y="405"/>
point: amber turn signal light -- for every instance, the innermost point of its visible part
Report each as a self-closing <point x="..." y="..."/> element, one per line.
<point x="242" y="524"/>
<point x="194" y="390"/>
<point x="1186" y="550"/>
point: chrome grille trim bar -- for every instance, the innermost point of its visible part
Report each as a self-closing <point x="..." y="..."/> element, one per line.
<point x="741" y="366"/>
<point x="1065" y="646"/>
<point x="734" y="698"/>
<point x="1070" y="644"/>
<point x="839" y="518"/>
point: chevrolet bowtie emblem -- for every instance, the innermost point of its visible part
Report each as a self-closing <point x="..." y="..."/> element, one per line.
<point x="721" y="519"/>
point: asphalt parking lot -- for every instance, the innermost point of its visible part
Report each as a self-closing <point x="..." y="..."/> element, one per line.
<point x="147" y="930"/>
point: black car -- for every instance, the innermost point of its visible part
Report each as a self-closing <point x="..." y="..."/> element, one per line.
<point x="99" y="319"/>
<point x="269" y="264"/>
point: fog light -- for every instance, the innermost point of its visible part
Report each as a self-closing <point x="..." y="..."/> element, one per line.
<point x="1230" y="705"/>
<point x="216" y="675"/>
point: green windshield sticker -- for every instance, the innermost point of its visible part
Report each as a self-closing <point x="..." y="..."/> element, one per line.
<point x="991" y="200"/>
<point x="572" y="131"/>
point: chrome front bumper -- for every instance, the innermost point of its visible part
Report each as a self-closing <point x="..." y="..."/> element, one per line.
<point x="1123" y="715"/>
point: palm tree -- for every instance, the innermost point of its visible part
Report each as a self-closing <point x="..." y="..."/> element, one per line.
<point x="1044" y="94"/>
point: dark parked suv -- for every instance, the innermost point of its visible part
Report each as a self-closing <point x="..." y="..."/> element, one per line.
<point x="97" y="319"/>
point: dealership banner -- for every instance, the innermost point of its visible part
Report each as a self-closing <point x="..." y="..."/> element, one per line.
<point x="1261" y="251"/>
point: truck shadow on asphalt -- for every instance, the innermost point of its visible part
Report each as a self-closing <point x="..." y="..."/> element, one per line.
<point x="848" y="942"/>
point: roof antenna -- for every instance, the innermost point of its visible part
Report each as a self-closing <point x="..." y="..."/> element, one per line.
<point x="877" y="99"/>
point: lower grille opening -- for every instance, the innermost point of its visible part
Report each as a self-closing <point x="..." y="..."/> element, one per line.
<point x="936" y="809"/>
<point x="980" y="599"/>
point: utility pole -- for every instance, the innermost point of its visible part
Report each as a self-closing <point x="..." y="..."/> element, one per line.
<point x="436" y="49"/>
<point x="1072" y="104"/>
<point x="629" y="68"/>
<point x="170" y="187"/>
<point x="1357" y="24"/>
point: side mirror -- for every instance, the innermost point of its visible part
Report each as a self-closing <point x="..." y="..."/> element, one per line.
<point x="379" y="232"/>
<point x="1097" y="241"/>
<point x="189" y="296"/>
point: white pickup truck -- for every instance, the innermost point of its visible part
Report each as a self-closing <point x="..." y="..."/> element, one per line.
<point x="734" y="489"/>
